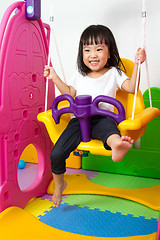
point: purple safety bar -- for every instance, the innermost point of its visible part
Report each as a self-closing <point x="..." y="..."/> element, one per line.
<point x="84" y="108"/>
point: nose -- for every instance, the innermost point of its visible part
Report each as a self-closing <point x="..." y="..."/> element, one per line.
<point x="93" y="54"/>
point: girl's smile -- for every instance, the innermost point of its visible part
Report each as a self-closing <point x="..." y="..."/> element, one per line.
<point x="94" y="63"/>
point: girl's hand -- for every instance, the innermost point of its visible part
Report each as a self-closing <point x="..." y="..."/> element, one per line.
<point x="49" y="72"/>
<point x="140" y="55"/>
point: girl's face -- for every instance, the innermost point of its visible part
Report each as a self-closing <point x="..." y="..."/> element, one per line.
<point x="95" y="56"/>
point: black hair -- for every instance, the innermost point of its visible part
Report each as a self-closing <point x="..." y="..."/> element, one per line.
<point x="98" y="34"/>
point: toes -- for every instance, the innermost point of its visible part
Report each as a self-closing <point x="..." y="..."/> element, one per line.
<point x="127" y="139"/>
<point x="123" y="137"/>
<point x="56" y="202"/>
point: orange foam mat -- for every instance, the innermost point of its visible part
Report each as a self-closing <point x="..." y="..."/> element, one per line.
<point x="17" y="224"/>
<point x="79" y="184"/>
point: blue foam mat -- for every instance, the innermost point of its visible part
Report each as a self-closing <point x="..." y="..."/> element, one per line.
<point x="96" y="223"/>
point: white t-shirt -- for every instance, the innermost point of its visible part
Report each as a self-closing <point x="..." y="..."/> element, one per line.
<point x="105" y="85"/>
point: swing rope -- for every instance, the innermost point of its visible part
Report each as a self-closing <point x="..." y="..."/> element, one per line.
<point x="144" y="44"/>
<point x="146" y="62"/>
<point x="52" y="34"/>
<point x="49" y="53"/>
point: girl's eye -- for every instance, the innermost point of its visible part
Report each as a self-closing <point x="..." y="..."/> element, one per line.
<point x="99" y="49"/>
<point x="86" y="50"/>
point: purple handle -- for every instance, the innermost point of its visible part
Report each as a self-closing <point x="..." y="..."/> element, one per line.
<point x="83" y="108"/>
<point x="97" y="111"/>
<point x="57" y="113"/>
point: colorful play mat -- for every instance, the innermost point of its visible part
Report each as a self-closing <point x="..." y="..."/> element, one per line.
<point x="83" y="216"/>
<point x="97" y="215"/>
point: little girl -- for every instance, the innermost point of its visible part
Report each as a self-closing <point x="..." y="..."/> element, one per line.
<point x="98" y="74"/>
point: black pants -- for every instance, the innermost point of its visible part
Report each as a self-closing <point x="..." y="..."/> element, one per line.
<point x="101" y="128"/>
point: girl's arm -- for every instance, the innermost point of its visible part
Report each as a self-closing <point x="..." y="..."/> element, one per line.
<point x="62" y="87"/>
<point x="129" y="84"/>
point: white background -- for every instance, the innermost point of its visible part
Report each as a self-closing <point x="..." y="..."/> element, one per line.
<point x="123" y="17"/>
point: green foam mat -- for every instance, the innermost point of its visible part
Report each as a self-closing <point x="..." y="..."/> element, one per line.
<point x="123" y="181"/>
<point x="111" y="204"/>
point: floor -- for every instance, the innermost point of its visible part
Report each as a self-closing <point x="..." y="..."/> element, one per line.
<point x="94" y="215"/>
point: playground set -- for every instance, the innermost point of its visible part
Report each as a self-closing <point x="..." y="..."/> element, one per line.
<point x="28" y="132"/>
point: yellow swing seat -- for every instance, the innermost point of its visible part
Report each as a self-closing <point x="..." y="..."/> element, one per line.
<point x="134" y="128"/>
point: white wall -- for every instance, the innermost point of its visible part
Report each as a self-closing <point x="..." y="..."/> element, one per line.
<point x="123" y="17"/>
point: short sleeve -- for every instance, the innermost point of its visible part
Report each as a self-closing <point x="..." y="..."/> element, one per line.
<point x="120" y="78"/>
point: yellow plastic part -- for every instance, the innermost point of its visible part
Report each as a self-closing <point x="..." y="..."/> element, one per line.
<point x="134" y="128"/>
<point x="74" y="161"/>
<point x="29" y="154"/>
<point x="79" y="184"/>
<point x="15" y="223"/>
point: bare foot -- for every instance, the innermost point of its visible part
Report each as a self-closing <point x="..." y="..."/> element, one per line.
<point x="121" y="147"/>
<point x="57" y="196"/>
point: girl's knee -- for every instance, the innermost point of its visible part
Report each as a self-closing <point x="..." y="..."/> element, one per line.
<point x="57" y="154"/>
